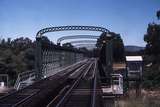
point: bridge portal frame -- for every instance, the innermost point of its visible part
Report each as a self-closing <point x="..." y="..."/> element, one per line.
<point x="38" y="65"/>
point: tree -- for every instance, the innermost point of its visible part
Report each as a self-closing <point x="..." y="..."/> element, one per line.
<point x="29" y="58"/>
<point x="102" y="39"/>
<point x="158" y="14"/>
<point x="118" y="48"/>
<point x="67" y="45"/>
<point x="21" y="43"/>
<point x="45" y="40"/>
<point x="3" y="43"/>
<point x="151" y="74"/>
<point x="117" y="44"/>
<point x="9" y="41"/>
<point x="152" y="38"/>
<point x="16" y="56"/>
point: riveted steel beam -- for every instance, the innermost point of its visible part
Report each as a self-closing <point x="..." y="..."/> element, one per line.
<point x="66" y="28"/>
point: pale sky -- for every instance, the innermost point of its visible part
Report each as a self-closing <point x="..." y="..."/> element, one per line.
<point x="129" y="18"/>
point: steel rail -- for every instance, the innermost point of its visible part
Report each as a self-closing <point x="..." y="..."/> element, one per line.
<point x="65" y="90"/>
<point x="58" y="96"/>
<point x="62" y="101"/>
<point x="85" y="73"/>
<point x="71" y="70"/>
<point x="21" y="100"/>
<point x="25" y="99"/>
<point x="37" y="90"/>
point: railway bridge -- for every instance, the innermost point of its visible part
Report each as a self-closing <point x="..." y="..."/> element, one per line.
<point x="67" y="77"/>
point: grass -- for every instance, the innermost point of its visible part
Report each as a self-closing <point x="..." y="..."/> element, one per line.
<point x="141" y="101"/>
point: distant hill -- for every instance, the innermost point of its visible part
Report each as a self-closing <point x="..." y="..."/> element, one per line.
<point x="131" y="48"/>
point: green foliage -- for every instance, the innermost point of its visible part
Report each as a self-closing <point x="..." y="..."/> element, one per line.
<point x="16" y="56"/>
<point x="151" y="76"/>
<point x="151" y="73"/>
<point x="46" y="40"/>
<point x="152" y="38"/>
<point x="118" y="46"/>
<point x="158" y="14"/>
<point x="68" y="45"/>
<point x="118" y="49"/>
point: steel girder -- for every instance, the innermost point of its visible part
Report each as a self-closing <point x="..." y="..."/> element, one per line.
<point x="76" y="37"/>
<point x="65" y="28"/>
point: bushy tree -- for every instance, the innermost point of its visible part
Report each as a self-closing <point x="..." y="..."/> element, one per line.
<point x="117" y="45"/>
<point x="45" y="40"/>
<point x="67" y="45"/>
<point x="16" y="56"/>
<point x="151" y="72"/>
<point x="152" y="38"/>
<point x="158" y="14"/>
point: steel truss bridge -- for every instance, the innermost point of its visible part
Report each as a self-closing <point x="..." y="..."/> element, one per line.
<point x="42" y="50"/>
<point x="65" y="77"/>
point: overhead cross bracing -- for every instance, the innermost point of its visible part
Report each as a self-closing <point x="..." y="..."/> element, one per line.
<point x="93" y="37"/>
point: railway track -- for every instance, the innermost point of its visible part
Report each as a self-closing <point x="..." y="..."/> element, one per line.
<point x="40" y="93"/>
<point x="82" y="92"/>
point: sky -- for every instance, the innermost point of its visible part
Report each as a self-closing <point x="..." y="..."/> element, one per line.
<point x="129" y="18"/>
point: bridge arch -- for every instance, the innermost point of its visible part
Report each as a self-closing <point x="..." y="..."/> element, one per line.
<point x="67" y="28"/>
<point x="42" y="48"/>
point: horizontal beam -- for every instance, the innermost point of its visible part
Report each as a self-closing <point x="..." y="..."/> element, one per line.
<point x="77" y="37"/>
<point x="82" y="41"/>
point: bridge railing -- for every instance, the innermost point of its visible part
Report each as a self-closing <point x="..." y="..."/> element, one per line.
<point x="27" y="77"/>
<point x="50" y="57"/>
<point x="117" y="83"/>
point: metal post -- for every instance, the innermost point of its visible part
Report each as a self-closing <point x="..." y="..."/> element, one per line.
<point x="75" y="58"/>
<point x="38" y="56"/>
<point x="60" y="56"/>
